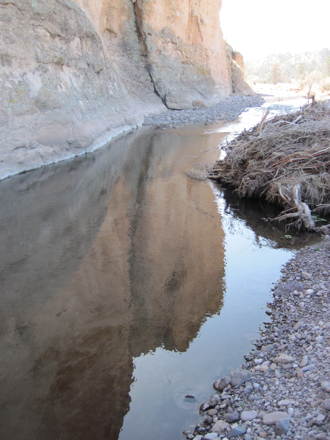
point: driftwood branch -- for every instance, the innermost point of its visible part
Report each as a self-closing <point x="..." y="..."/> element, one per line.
<point x="285" y="160"/>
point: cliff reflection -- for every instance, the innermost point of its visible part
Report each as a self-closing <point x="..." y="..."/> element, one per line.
<point x="101" y="260"/>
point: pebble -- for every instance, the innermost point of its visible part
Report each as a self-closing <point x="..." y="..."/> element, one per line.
<point x="248" y="415"/>
<point x="282" y="427"/>
<point x="237" y="378"/>
<point x="211" y="436"/>
<point x="326" y="404"/>
<point x="319" y="419"/>
<point x="306" y="275"/>
<point x="228" y="109"/>
<point x="232" y="417"/>
<point x="274" y="417"/>
<point x="220" y="426"/>
<point x="237" y="431"/>
<point x="304" y="361"/>
<point x="221" y="384"/>
<point x="286" y="402"/>
<point x="325" y="385"/>
<point x="284" y="358"/>
<point x="284" y="393"/>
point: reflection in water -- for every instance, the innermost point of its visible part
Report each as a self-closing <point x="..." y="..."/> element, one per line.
<point x="102" y="259"/>
<point x="256" y="215"/>
<point x="113" y="272"/>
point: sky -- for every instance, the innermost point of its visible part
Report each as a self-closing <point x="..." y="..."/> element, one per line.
<point x="259" y="27"/>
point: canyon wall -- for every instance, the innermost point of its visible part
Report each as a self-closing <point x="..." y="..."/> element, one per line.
<point x="72" y="71"/>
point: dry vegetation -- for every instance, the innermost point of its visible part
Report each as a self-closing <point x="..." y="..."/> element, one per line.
<point x="285" y="160"/>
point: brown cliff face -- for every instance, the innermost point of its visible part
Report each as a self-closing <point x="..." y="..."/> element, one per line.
<point x="185" y="51"/>
<point x="72" y="70"/>
<point x="236" y="72"/>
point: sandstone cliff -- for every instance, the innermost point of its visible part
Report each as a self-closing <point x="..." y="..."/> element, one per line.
<point x="236" y="72"/>
<point x="71" y="71"/>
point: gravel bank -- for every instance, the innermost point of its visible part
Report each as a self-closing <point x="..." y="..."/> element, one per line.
<point x="228" y="110"/>
<point x="283" y="388"/>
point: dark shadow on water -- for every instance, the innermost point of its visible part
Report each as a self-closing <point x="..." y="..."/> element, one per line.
<point x="256" y="215"/>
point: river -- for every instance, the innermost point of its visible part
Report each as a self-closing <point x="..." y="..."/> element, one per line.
<point x="127" y="284"/>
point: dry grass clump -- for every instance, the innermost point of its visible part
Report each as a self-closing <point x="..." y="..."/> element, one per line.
<point x="285" y="160"/>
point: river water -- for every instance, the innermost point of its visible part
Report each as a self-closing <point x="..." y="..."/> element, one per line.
<point x="126" y="284"/>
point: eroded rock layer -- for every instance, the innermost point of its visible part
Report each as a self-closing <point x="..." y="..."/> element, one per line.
<point x="71" y="71"/>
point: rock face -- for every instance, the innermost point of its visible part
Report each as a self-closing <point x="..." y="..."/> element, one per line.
<point x="185" y="51"/>
<point x="236" y="72"/>
<point x="70" y="71"/>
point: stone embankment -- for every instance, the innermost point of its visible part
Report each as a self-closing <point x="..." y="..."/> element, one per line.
<point x="283" y="388"/>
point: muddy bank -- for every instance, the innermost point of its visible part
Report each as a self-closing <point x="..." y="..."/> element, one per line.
<point x="283" y="388"/>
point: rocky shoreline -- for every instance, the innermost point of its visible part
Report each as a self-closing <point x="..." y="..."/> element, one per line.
<point x="227" y="110"/>
<point x="283" y="388"/>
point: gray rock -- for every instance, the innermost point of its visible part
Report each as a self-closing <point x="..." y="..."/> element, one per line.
<point x="207" y="420"/>
<point x="248" y="388"/>
<point x="285" y="402"/>
<point x="283" y="358"/>
<point x="282" y="427"/>
<point x="304" y="361"/>
<point x="325" y="385"/>
<point x="274" y="417"/>
<point x="220" y="426"/>
<point x="319" y="419"/>
<point x="208" y="405"/>
<point x="232" y="417"/>
<point x="211" y="436"/>
<point x="248" y="415"/>
<point x="326" y="404"/>
<point x="221" y="384"/>
<point x="237" y="378"/>
<point x="307" y="275"/>
<point x="237" y="431"/>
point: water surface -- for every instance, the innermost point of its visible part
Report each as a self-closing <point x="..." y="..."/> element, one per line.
<point x="126" y="284"/>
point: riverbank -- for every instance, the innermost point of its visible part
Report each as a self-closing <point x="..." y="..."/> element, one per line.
<point x="226" y="110"/>
<point x="283" y="388"/>
<point x="284" y="160"/>
<point x="59" y="144"/>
